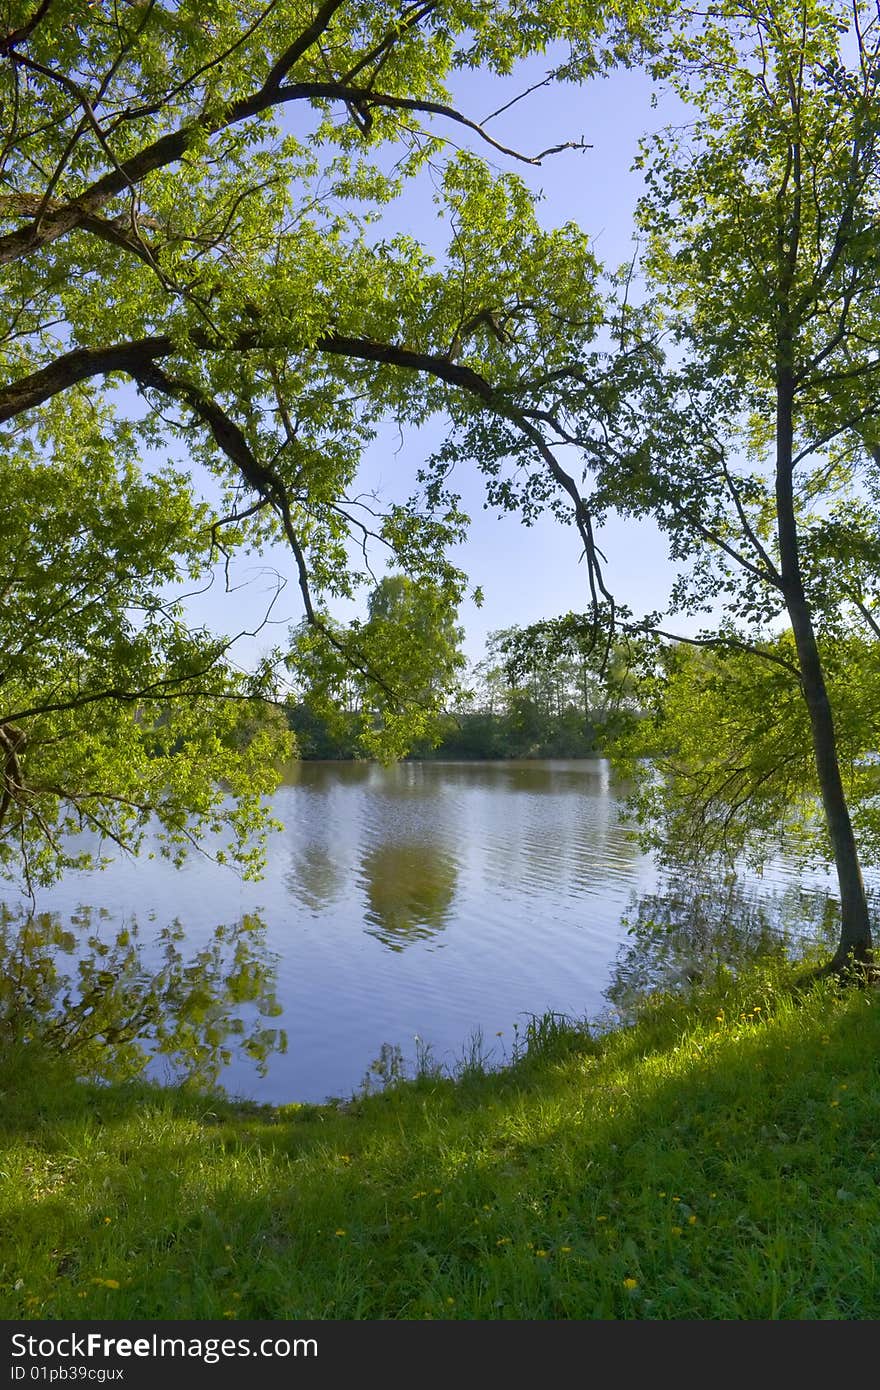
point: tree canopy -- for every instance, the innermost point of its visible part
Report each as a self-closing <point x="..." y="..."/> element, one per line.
<point x="354" y="708"/>
<point x="200" y="259"/>
<point x="197" y="268"/>
<point x="755" y="441"/>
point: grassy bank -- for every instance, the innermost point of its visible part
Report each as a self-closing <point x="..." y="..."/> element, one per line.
<point x="718" y="1160"/>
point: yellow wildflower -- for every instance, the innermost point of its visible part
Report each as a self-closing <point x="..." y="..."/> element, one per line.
<point x="630" y="1283"/>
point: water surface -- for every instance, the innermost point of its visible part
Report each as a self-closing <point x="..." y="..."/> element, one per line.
<point x="425" y="900"/>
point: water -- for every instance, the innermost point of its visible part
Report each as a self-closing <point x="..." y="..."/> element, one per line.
<point x="422" y="901"/>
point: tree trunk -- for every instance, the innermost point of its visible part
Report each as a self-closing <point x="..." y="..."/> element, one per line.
<point x="855" y="931"/>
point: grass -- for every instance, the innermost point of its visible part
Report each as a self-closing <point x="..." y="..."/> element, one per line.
<point x="719" y="1159"/>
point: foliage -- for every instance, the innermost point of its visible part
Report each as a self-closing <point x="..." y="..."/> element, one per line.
<point x="544" y="691"/>
<point x="696" y="928"/>
<point x="201" y="256"/>
<point x="538" y="693"/>
<point x="201" y="250"/>
<point x="754" y="444"/>
<point x="747" y="256"/>
<point x="723" y="760"/>
<point x="520" y="731"/>
<point x="564" y="662"/>
<point x="352" y="706"/>
<point x="116" y="716"/>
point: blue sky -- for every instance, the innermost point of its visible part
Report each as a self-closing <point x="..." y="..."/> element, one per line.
<point x="525" y="573"/>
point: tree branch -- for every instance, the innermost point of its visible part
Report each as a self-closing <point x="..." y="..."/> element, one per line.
<point x="171" y="147"/>
<point x="264" y="480"/>
<point x="17" y="36"/>
<point x="301" y="45"/>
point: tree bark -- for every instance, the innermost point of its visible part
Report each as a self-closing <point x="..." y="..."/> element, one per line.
<point x="855" y="928"/>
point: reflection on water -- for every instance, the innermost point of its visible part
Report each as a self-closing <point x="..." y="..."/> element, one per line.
<point x="410" y="889"/>
<point x="112" y="1000"/>
<point x="316" y="877"/>
<point x="690" y="927"/>
<point x="537" y="828"/>
<point x="520" y="872"/>
<point x="408" y="861"/>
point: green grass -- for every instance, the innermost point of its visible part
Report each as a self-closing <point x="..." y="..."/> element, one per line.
<point x="719" y="1159"/>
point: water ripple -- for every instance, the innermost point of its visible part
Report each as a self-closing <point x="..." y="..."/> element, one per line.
<point x="429" y="899"/>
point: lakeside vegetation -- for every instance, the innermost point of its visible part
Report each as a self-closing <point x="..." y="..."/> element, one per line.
<point x="524" y="699"/>
<point x="272" y="320"/>
<point x="219" y="318"/>
<point x="522" y="730"/>
<point x="718" y="1159"/>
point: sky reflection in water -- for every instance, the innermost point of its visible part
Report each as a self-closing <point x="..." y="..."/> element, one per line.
<point x="436" y="900"/>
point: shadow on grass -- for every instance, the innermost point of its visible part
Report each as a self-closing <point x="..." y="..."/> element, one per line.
<point x="718" y="1166"/>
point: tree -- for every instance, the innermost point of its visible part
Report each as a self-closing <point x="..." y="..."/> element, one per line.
<point x="194" y="259"/>
<point x="117" y="718"/>
<point x="560" y="659"/>
<point x="724" y="761"/>
<point x="761" y="453"/>
<point x="197" y="207"/>
<point x="413" y="640"/>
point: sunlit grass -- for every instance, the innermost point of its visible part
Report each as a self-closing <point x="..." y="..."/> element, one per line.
<point x="717" y="1160"/>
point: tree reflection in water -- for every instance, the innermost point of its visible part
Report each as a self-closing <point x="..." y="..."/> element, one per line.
<point x="114" y="1003"/>
<point x="410" y="888"/>
<point x="691" y="926"/>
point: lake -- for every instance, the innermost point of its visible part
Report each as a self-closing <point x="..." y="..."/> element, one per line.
<point x="413" y="905"/>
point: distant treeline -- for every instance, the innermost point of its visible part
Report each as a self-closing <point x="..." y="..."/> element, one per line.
<point x="523" y="731"/>
<point x="527" y="699"/>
